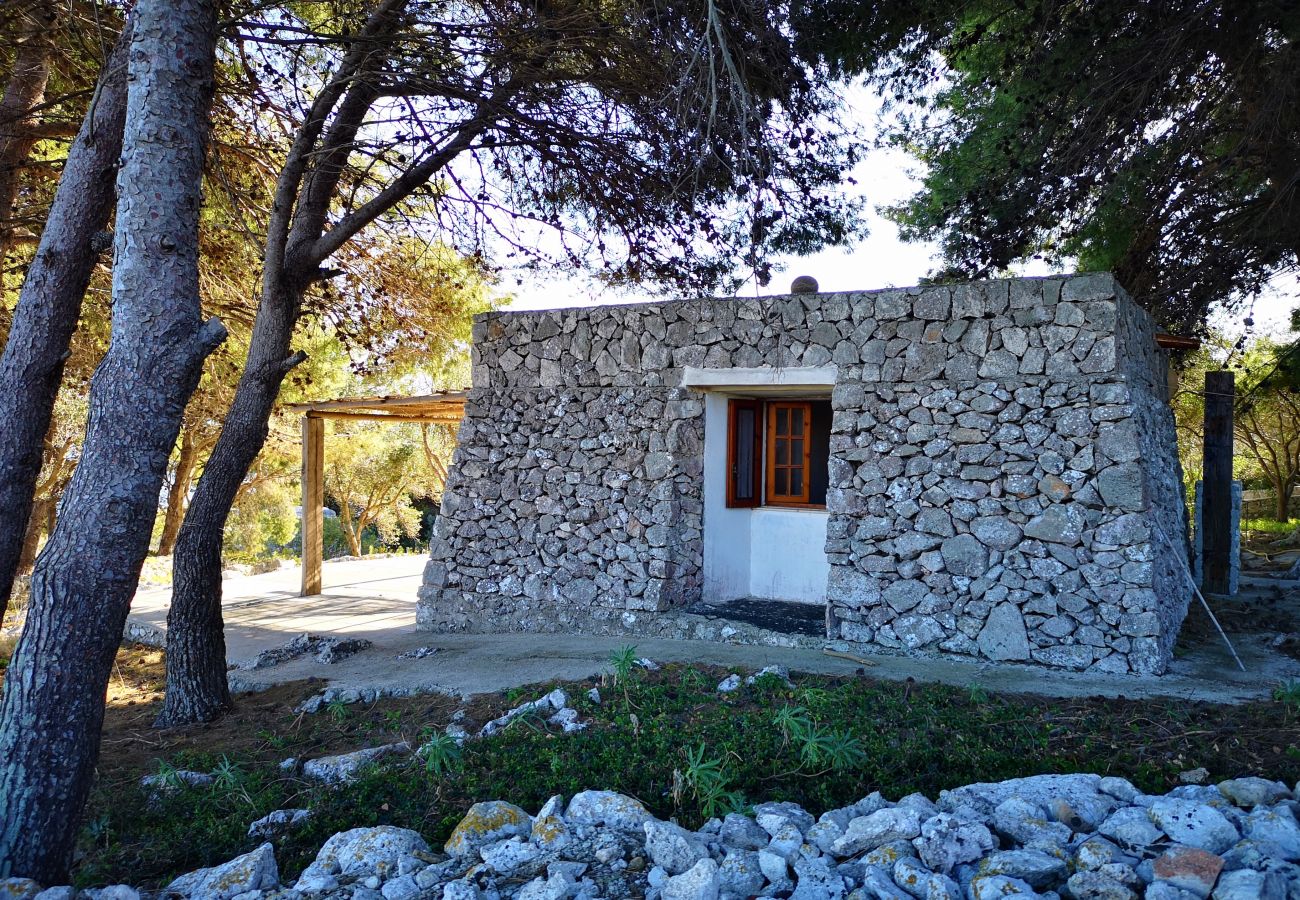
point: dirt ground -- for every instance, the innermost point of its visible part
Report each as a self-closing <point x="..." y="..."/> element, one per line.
<point x="263" y="725"/>
<point x="260" y="727"/>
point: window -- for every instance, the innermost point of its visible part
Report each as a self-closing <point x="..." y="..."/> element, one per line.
<point x="777" y="452"/>
<point x="745" y="453"/>
<point x="789" y="452"/>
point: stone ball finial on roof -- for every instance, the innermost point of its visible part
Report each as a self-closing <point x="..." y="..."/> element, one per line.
<point x="804" y="284"/>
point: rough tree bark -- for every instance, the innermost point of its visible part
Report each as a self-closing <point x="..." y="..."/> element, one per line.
<point x="196" y="649"/>
<point x="23" y="94"/>
<point x="176" y="494"/>
<point x="53" y="705"/>
<point x="49" y="303"/>
<point x="297" y="244"/>
<point x="1282" y="502"/>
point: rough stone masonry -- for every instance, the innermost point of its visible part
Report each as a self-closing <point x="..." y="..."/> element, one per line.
<point x="1004" y="481"/>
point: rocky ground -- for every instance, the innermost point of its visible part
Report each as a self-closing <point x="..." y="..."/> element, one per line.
<point x="1069" y="836"/>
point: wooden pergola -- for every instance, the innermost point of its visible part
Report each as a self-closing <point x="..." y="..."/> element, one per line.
<point x="446" y="408"/>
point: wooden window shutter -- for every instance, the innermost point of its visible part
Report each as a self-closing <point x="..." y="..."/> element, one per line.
<point x="744" y="453"/>
<point x="789" y="452"/>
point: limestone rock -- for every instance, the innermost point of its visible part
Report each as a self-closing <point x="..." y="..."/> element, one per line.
<point x="254" y="871"/>
<point x="361" y="852"/>
<point x="509" y="856"/>
<point x="346" y="766"/>
<point x="1252" y="792"/>
<point x="742" y="833"/>
<point x="700" y="882"/>
<point x="18" y="889"/>
<point x="946" y="840"/>
<point x="1003" y="636"/>
<point x="607" y="808"/>
<point x="869" y="832"/>
<point x="277" y="823"/>
<point x="995" y="887"/>
<point x="672" y="847"/>
<point x="740" y="875"/>
<point x="1095" y="886"/>
<point x="1247" y="884"/>
<point x="1038" y="869"/>
<point x="486" y="823"/>
<point x="923" y="884"/>
<point x="1132" y="827"/>
<point x="1188" y="869"/>
<point x="1194" y="824"/>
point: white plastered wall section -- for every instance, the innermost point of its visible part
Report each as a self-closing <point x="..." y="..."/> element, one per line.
<point x="769" y="552"/>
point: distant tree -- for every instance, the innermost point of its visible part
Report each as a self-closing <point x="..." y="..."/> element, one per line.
<point x="370" y="475"/>
<point x="1267" y="428"/>
<point x="1157" y="139"/>
<point x="1267" y="414"/>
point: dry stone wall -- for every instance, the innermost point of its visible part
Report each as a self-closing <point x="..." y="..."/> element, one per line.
<point x="1003" y="474"/>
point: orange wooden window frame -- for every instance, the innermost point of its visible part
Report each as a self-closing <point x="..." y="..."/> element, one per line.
<point x="755" y="498"/>
<point x="803" y="464"/>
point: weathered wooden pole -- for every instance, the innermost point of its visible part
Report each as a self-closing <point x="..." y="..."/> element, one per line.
<point x="313" y="502"/>
<point x="1216" y="483"/>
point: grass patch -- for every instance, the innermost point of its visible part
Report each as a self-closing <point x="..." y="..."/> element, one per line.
<point x="1268" y="526"/>
<point x="665" y="737"/>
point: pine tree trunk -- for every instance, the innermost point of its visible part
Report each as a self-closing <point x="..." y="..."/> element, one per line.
<point x="1282" y="502"/>
<point x="196" y="664"/>
<point x="50" y="303"/>
<point x="197" y="690"/>
<point x="53" y="704"/>
<point x="351" y="531"/>
<point x="177" y="493"/>
<point x="24" y="92"/>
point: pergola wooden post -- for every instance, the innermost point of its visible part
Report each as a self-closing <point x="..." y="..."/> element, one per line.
<point x="433" y="409"/>
<point x="1216" y="483"/>
<point x="313" y="502"/>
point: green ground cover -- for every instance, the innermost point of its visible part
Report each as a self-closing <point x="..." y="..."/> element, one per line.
<point x="667" y="737"/>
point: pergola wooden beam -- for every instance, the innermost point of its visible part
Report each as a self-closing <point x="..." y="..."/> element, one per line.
<point x="448" y="400"/>
<point x="438" y="418"/>
<point x="1176" y="342"/>
<point x="434" y="409"/>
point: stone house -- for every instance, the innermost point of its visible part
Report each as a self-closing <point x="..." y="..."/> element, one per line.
<point x="986" y="469"/>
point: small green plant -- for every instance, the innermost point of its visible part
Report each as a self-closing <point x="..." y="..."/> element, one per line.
<point x="793" y="722"/>
<point x="841" y="750"/>
<point x="1288" y="692"/>
<point x="99" y="828"/>
<point x="337" y="709"/>
<point x="168" y="777"/>
<point x="227" y="775"/>
<point x="693" y="678"/>
<point x="623" y="660"/>
<point x="273" y="740"/>
<point x="442" y="754"/>
<point x="706" y="777"/>
<point x="818" y="746"/>
<point x="393" y="719"/>
<point x="977" y="693"/>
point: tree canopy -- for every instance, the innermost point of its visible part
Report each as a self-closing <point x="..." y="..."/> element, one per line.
<point x="1157" y="139"/>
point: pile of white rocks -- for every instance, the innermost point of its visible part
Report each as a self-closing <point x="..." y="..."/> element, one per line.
<point x="1079" y="837"/>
